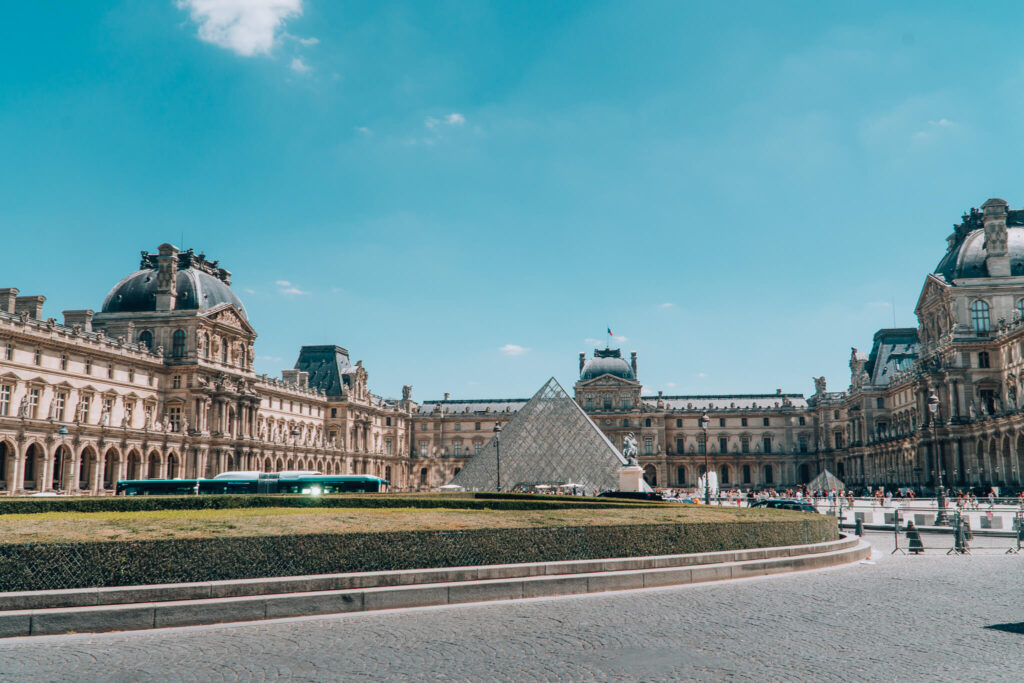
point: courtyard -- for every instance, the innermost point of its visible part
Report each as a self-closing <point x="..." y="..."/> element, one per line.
<point x="894" y="617"/>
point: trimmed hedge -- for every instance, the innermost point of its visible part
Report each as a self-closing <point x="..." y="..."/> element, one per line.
<point x="219" y="502"/>
<point x="125" y="563"/>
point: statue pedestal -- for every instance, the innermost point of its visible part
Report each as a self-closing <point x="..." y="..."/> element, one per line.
<point x="630" y="478"/>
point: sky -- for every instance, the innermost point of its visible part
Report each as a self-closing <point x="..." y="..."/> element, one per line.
<point x="467" y="194"/>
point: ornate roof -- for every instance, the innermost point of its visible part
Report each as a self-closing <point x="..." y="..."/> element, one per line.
<point x="966" y="254"/>
<point x="201" y="285"/>
<point x="607" y="362"/>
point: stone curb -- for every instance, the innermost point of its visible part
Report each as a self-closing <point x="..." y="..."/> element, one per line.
<point x="85" y="597"/>
<point x="191" y="612"/>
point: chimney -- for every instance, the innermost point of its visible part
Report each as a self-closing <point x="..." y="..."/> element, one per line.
<point x="7" y="297"/>
<point x="303" y="379"/>
<point x="33" y="305"/>
<point x="998" y="260"/>
<point x="166" y="277"/>
<point x="83" y="318"/>
<point x="583" y="359"/>
<point x="290" y="376"/>
<point x="632" y="361"/>
<point x="447" y="395"/>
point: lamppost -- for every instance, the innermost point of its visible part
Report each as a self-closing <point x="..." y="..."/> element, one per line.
<point x="933" y="408"/>
<point x="497" y="450"/>
<point x="704" y="422"/>
<point x="63" y="431"/>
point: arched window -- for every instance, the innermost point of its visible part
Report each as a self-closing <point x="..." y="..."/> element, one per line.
<point x="746" y="474"/>
<point x="769" y="475"/>
<point x="178" y="344"/>
<point x="146" y="338"/>
<point x="681" y="475"/>
<point x="979" y="316"/>
<point x="723" y="474"/>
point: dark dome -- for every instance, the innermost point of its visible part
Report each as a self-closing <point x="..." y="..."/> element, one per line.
<point x="607" y="362"/>
<point x="967" y="258"/>
<point x="197" y="290"/>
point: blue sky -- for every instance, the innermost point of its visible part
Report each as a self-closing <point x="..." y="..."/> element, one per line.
<point x="466" y="194"/>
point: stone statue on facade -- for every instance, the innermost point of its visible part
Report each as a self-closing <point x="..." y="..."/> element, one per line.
<point x="820" y="386"/>
<point x="184" y="424"/>
<point x="629" y="449"/>
<point x="105" y="418"/>
<point x="25" y="408"/>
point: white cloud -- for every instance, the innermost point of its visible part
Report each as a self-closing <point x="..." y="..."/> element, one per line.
<point x="702" y="374"/>
<point x="513" y="350"/>
<point x="595" y="342"/>
<point x="933" y="129"/>
<point x="299" y="66"/>
<point x="271" y="359"/>
<point x="248" y="27"/>
<point x="249" y="291"/>
<point x="431" y="122"/>
<point x="364" y="130"/>
<point x="308" y="42"/>
<point x="621" y="340"/>
<point x="455" y="119"/>
<point x="289" y="288"/>
<point x="666" y="305"/>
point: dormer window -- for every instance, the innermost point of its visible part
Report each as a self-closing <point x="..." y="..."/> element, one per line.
<point x="979" y="316"/>
<point x="146" y="339"/>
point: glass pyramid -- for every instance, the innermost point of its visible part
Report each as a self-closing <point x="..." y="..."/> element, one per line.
<point x="549" y="441"/>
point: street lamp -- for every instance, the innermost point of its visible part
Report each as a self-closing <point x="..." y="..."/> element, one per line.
<point x="933" y="408"/>
<point x="63" y="431"/>
<point x="497" y="450"/>
<point x="704" y="422"/>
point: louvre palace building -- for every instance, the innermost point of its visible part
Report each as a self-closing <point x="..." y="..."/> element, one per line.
<point x="160" y="384"/>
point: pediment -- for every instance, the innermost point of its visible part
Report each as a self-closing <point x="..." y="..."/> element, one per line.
<point x="933" y="288"/>
<point x="607" y="381"/>
<point x="227" y="314"/>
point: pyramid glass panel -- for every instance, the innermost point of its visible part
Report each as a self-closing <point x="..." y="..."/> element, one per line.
<point x="549" y="441"/>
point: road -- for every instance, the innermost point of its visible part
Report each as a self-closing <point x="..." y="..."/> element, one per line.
<point x="894" y="617"/>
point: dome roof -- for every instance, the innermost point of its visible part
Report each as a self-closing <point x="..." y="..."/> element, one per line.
<point x="607" y="362"/>
<point x="197" y="290"/>
<point x="966" y="257"/>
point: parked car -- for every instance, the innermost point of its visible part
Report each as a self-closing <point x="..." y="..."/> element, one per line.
<point x="784" y="504"/>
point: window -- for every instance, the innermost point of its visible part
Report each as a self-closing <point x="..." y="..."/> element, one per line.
<point x="458" y="426"/>
<point x="767" y="444"/>
<point x="108" y="408"/>
<point x="33" y="403"/>
<point x="110" y="370"/>
<point x="86" y="405"/>
<point x="178" y="344"/>
<point x="131" y="374"/>
<point x="625" y="422"/>
<point x="766" y="421"/>
<point x="838" y="436"/>
<point x="334" y="412"/>
<point x="769" y="475"/>
<point x="60" y="402"/>
<point x="681" y="475"/>
<point x="39" y="357"/>
<point x="387" y="421"/>
<point x="983" y="361"/>
<point x="607" y="402"/>
<point x="423" y="449"/>
<point x="803" y="421"/>
<point x="476" y="448"/>
<point x="744" y="444"/>
<point x="835" y="414"/>
<point x="743" y="421"/>
<point x="88" y="366"/>
<point x="746" y="474"/>
<point x="224" y="352"/>
<point x="8" y="351"/>
<point x="625" y="404"/>
<point x="723" y="474"/>
<point x="174" y="417"/>
<point x="880" y="402"/>
<point x="803" y="444"/>
<point x="146" y="339"/>
<point x="679" y="423"/>
<point x="647" y="422"/>
<point x="456" y="449"/>
<point x="680" y="445"/>
<point x="589" y="403"/>
<point x="979" y="316"/>
<point x="648" y="446"/>
<point x="723" y="444"/>
<point x="63" y="361"/>
<point x="423" y="476"/>
<point x="700" y="445"/>
<point x="387" y="446"/>
<point x="176" y="382"/>
<point x="1020" y="308"/>
<point x="423" y="426"/>
<point x="476" y="426"/>
<point x="5" y="399"/>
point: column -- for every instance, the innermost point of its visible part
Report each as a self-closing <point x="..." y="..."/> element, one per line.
<point x="96" y="483"/>
<point x="13" y="471"/>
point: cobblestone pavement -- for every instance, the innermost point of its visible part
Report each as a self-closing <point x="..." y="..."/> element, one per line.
<point x="895" y="618"/>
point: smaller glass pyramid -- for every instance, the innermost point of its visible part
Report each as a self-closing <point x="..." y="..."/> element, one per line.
<point x="549" y="441"/>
